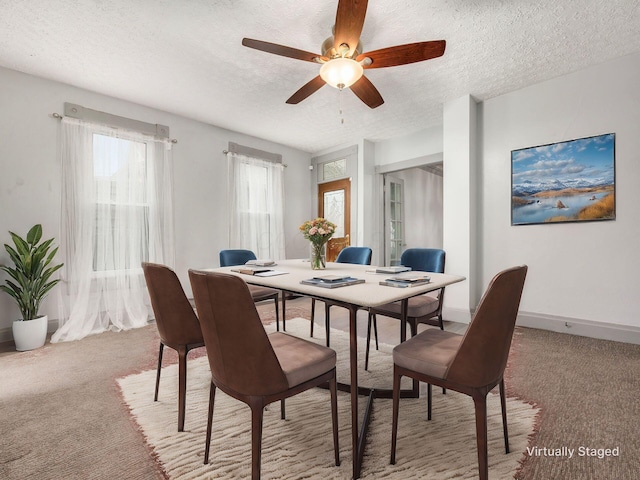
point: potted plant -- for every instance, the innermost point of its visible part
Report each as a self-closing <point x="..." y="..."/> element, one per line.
<point x="30" y="282"/>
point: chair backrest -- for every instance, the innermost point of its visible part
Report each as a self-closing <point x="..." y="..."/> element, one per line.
<point x="357" y="255"/>
<point x="483" y="353"/>
<point x="424" y="259"/>
<point x="176" y="321"/>
<point x="231" y="258"/>
<point x="240" y="354"/>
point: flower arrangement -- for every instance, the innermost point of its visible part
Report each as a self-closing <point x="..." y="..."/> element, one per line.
<point x="318" y="232"/>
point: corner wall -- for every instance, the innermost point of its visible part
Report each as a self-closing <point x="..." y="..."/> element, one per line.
<point x="459" y="202"/>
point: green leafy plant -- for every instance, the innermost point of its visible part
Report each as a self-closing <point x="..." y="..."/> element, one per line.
<point x="30" y="279"/>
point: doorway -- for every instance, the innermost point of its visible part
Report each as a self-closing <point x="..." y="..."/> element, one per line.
<point x="412" y="209"/>
<point x="334" y="204"/>
<point x="394" y="219"/>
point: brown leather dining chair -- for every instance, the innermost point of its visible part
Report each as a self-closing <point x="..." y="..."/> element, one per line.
<point x="472" y="364"/>
<point x="177" y="324"/>
<point x="250" y="365"/>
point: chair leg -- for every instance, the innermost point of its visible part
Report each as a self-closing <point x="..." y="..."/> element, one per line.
<point x="284" y="325"/>
<point x="480" y="401"/>
<point x="503" y="404"/>
<point x="212" y="396"/>
<point x="394" y="416"/>
<point x="413" y="326"/>
<point x="429" y="401"/>
<point x="182" y="385"/>
<point x="327" y="321"/>
<point x="333" y="388"/>
<point x="257" y="412"/>
<point x="155" y="397"/>
<point x="282" y="410"/>
<point x="277" y="314"/>
<point x="313" y="312"/>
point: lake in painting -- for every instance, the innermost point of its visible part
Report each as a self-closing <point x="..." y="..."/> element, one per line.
<point x="564" y="182"/>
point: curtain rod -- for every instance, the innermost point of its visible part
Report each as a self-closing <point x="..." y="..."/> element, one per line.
<point x="57" y="116"/>
<point x="227" y="152"/>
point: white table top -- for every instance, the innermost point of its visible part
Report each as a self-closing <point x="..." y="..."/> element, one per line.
<point x="368" y="294"/>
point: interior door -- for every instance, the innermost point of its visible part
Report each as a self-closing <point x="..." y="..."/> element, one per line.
<point x="334" y="201"/>
<point x="394" y="219"/>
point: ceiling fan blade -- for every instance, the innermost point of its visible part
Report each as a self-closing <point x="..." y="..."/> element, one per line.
<point x="366" y="92"/>
<point x="349" y="22"/>
<point x="280" y="50"/>
<point x="306" y="90"/>
<point x="403" y="54"/>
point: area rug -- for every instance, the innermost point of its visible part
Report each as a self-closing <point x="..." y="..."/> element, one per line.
<point x="301" y="447"/>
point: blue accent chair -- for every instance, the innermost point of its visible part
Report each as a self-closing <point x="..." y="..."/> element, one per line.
<point x="233" y="257"/>
<point x="355" y="255"/>
<point x="425" y="308"/>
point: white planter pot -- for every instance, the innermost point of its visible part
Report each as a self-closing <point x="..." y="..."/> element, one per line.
<point x="30" y="334"/>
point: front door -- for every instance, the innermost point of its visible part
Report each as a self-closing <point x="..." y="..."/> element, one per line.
<point x="334" y="200"/>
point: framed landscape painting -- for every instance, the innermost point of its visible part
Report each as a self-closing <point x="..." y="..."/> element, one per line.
<point x="572" y="181"/>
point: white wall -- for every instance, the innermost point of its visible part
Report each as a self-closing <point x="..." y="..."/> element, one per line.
<point x="424" y="142"/>
<point x="585" y="273"/>
<point x="30" y="175"/>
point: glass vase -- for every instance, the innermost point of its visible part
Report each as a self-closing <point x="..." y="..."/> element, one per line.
<point x="318" y="256"/>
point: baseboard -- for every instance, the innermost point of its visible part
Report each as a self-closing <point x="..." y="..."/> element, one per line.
<point x="555" y="323"/>
<point x="583" y="328"/>
<point x="458" y="315"/>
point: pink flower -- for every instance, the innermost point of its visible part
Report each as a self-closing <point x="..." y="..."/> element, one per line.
<point x="313" y="230"/>
<point x="321" y="231"/>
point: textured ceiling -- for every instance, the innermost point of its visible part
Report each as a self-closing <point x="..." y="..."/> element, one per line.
<point x="186" y="56"/>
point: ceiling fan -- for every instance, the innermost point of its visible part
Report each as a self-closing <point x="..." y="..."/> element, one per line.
<point x="342" y="60"/>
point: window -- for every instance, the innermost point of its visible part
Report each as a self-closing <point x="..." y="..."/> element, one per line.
<point x="257" y="206"/>
<point x="334" y="170"/>
<point x="122" y="208"/>
<point x="254" y="207"/>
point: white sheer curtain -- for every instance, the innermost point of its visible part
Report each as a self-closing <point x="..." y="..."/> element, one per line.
<point x="116" y="213"/>
<point x="257" y="206"/>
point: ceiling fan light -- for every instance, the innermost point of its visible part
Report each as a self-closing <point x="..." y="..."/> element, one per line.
<point x="341" y="72"/>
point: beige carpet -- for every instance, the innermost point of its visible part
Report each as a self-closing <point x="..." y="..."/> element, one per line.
<point x="301" y="446"/>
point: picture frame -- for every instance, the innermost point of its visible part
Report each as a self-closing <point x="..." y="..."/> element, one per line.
<point x="564" y="182"/>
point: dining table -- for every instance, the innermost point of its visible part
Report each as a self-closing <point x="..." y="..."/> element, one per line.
<point x="297" y="277"/>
